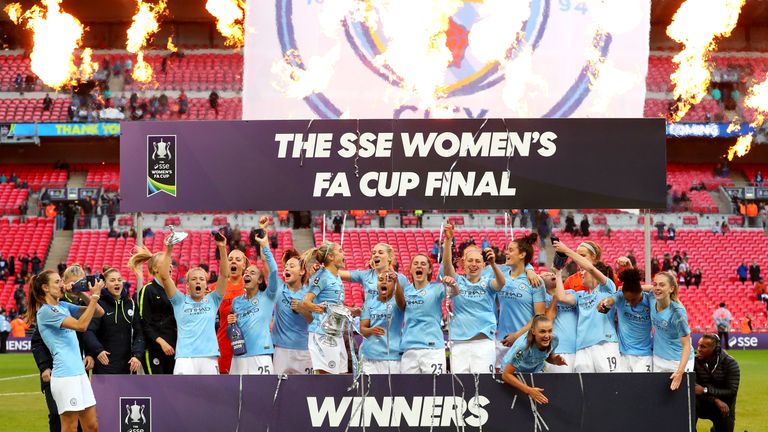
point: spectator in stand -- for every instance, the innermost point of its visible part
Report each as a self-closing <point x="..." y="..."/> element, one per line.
<point x="18" y="83"/>
<point x="61" y="267"/>
<point x="3" y="178"/>
<point x="47" y="102"/>
<point x="754" y="271"/>
<point x="717" y="384"/>
<point x="163" y="103"/>
<point x="435" y="250"/>
<point x="24" y="271"/>
<point x="36" y="262"/>
<point x="419" y="216"/>
<point x="12" y="265"/>
<point x="183" y="103"/>
<point x="742" y="271"/>
<point x="671" y="232"/>
<point x="19" y="327"/>
<point x="716" y="229"/>
<point x="760" y="290"/>
<point x="570" y="224"/>
<point x="213" y="101"/>
<point x="584" y="226"/>
<point x="18" y="296"/>
<point x="759" y="178"/>
<point x="337" y="221"/>
<point x="660" y="230"/>
<point x="5" y="330"/>
<point x="725" y="228"/>
<point x="666" y="264"/>
<point x="722" y="317"/>
<point x="684" y="267"/>
<point x="273" y="239"/>
<point x="382" y="218"/>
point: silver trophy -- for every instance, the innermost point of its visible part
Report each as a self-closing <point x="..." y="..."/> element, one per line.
<point x="336" y="316"/>
<point x="176" y="237"/>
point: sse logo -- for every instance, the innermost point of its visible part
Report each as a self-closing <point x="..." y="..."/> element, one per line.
<point x="743" y="342"/>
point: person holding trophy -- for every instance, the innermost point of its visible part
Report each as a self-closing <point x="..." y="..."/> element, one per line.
<point x="381" y="324"/>
<point x="325" y="300"/>
<point x="197" y="350"/>
<point x="473" y="328"/>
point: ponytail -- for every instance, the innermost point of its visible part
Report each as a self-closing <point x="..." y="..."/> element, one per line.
<point x="36" y="294"/>
<point x="323" y="253"/>
<point x="141" y="256"/>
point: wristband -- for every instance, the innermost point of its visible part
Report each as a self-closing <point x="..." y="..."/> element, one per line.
<point x="95" y="296"/>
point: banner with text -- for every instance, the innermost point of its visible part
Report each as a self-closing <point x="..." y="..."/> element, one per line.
<point x="445" y="59"/>
<point x="577" y="402"/>
<point x="739" y="340"/>
<point x="391" y="164"/>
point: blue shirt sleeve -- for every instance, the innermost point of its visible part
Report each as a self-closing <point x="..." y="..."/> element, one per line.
<point x="272" y="282"/>
<point x="608" y="287"/>
<point x="51" y="316"/>
<point x="74" y="309"/>
<point x="365" y="314"/>
<point x="216" y="298"/>
<point x="538" y="294"/>
<point x="357" y="275"/>
<point x="680" y="322"/>
<point x="178" y="298"/>
<point x="316" y="284"/>
<point x="617" y="297"/>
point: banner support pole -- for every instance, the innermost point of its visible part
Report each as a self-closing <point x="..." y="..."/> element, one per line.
<point x="139" y="242"/>
<point x="647" y="252"/>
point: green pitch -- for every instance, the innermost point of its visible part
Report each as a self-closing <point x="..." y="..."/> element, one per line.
<point x="22" y="406"/>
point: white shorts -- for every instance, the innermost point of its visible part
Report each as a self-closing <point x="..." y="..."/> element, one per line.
<point x="196" y="366"/>
<point x="292" y="361"/>
<point x="72" y="393"/>
<point x="501" y="351"/>
<point x="603" y="357"/>
<point x="252" y="365"/>
<point x="664" y="365"/>
<point x="332" y="359"/>
<point x="570" y="362"/>
<point x="423" y="361"/>
<point x="473" y="356"/>
<point x="381" y="367"/>
<point x="634" y="363"/>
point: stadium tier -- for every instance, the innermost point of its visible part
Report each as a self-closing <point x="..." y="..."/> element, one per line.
<point x="705" y="249"/>
<point x="94" y="249"/>
<point x="11" y="198"/>
<point x="36" y="176"/>
<point x="18" y="239"/>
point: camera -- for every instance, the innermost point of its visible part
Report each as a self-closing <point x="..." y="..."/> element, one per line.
<point x="217" y="236"/>
<point x="560" y="258"/>
<point x="83" y="285"/>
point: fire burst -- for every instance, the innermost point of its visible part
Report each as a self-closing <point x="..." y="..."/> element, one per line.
<point x="87" y="65"/>
<point x="757" y="99"/>
<point x="229" y="16"/>
<point x="142" y="28"/>
<point x="417" y="47"/>
<point x="170" y="46"/>
<point x="697" y="25"/>
<point x="14" y="12"/>
<point x="55" y="36"/>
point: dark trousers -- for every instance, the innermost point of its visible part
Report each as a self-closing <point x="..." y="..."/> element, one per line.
<point x="706" y="409"/>
<point x="3" y="339"/>
<point x="723" y="335"/>
<point x="155" y="362"/>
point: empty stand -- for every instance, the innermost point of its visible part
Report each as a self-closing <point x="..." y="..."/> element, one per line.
<point x="17" y="239"/>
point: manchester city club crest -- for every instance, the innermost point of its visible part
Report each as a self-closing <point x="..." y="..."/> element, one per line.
<point x="480" y="59"/>
<point x="161" y="164"/>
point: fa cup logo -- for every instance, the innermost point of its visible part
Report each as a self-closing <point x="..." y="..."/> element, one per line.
<point x="162" y="150"/>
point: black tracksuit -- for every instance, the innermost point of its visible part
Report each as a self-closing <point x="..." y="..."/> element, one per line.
<point x="721" y="379"/>
<point x="157" y="320"/>
<point x="118" y="332"/>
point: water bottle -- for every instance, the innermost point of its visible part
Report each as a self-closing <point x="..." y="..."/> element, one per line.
<point x="236" y="337"/>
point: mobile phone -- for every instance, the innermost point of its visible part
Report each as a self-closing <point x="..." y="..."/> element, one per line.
<point x="217" y="236"/>
<point x="260" y="233"/>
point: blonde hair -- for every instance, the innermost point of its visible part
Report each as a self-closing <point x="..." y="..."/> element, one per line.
<point x="593" y="248"/>
<point x="141" y="256"/>
<point x="322" y="253"/>
<point x="672" y="281"/>
<point x="388" y="249"/>
<point x="73" y="272"/>
<point x="194" y="269"/>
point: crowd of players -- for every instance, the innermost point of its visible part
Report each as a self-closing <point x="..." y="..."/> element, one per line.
<point x="503" y="318"/>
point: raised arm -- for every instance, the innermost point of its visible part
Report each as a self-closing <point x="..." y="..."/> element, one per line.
<point x="580" y="261"/>
<point x="224" y="273"/>
<point x="498" y="283"/>
<point x="86" y="314"/>
<point x="271" y="269"/>
<point x="164" y="272"/>
<point x="399" y="294"/>
<point x="448" y="269"/>
<point x="562" y="296"/>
